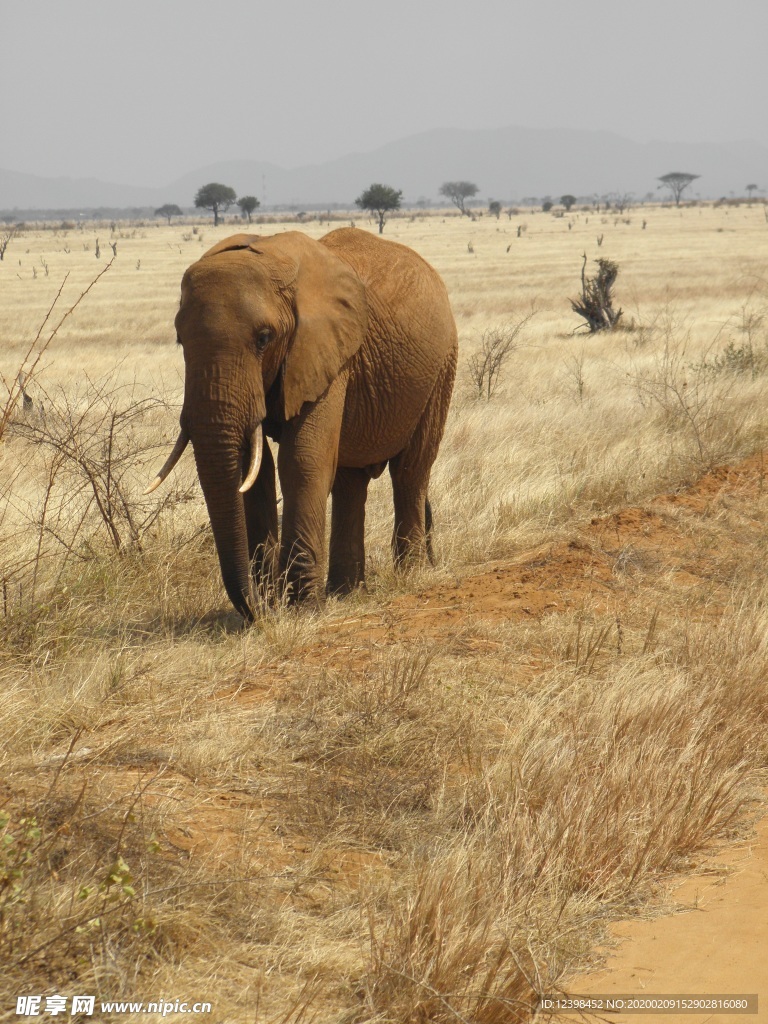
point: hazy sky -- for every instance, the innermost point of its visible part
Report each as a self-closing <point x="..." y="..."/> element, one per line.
<point x="142" y="91"/>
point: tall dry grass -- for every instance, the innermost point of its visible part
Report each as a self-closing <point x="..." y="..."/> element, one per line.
<point x="439" y="846"/>
<point x="371" y="830"/>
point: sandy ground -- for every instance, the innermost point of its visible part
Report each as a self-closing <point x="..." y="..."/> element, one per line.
<point x="716" y="944"/>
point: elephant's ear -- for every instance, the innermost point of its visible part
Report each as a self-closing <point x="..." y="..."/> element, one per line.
<point x="331" y="321"/>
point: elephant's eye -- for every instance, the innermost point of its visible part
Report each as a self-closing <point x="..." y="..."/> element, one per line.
<point x="263" y="338"/>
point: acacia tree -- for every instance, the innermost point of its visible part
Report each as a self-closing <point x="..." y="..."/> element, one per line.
<point x="216" y="197"/>
<point x="458" y="192"/>
<point x="494" y="208"/>
<point x="567" y="200"/>
<point x="677" y="182"/>
<point x="168" y="210"/>
<point x="750" y="189"/>
<point x="247" y="205"/>
<point x="379" y="199"/>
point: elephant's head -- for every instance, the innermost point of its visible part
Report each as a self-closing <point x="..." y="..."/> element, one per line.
<point x="256" y="313"/>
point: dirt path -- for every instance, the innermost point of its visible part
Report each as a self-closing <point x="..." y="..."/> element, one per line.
<point x="717" y="944"/>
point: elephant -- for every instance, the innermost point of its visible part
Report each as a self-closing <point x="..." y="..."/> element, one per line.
<point x="341" y="350"/>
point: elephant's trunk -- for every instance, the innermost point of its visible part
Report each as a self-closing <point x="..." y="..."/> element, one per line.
<point x="219" y="469"/>
<point x="223" y="408"/>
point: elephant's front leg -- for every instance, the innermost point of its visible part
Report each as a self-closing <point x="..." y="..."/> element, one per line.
<point x="306" y="463"/>
<point x="261" y="523"/>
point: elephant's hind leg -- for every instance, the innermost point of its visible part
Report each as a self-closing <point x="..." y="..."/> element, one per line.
<point x="346" y="563"/>
<point x="410" y="470"/>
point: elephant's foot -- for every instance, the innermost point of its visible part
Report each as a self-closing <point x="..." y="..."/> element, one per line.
<point x="341" y="583"/>
<point x="302" y="592"/>
<point x="413" y="548"/>
<point x="409" y="554"/>
<point x="301" y="580"/>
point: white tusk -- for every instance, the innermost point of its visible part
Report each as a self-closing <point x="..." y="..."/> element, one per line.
<point x="257" y="446"/>
<point x="178" y="449"/>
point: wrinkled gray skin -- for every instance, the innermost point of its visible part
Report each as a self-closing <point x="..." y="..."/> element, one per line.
<point x="344" y="349"/>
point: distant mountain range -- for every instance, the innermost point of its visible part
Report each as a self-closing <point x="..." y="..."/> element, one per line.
<point x="506" y="163"/>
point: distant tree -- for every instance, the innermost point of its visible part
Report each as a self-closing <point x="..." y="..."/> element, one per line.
<point x="458" y="192"/>
<point x="677" y="182"/>
<point x="379" y="199"/>
<point x="547" y="205"/>
<point x="621" y="200"/>
<point x="750" y="189"/>
<point x="5" y="239"/>
<point x="567" y="201"/>
<point x="215" y="197"/>
<point x="247" y="205"/>
<point x="168" y="211"/>
<point x="494" y="208"/>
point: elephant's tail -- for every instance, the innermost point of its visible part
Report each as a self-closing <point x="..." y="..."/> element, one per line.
<point x="428" y="531"/>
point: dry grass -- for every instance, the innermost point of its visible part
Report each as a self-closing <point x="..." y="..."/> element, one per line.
<point x="325" y="818"/>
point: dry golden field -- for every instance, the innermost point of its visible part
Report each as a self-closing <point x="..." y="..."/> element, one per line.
<point x="427" y="802"/>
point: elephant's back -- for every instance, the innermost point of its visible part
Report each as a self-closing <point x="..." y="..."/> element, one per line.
<point x="411" y="339"/>
<point x="406" y="296"/>
<point x="389" y="269"/>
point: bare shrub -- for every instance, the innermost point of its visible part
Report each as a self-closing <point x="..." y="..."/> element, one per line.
<point x="573" y="374"/>
<point x="596" y="301"/>
<point x="692" y="400"/>
<point x="750" y="354"/>
<point x="484" y="368"/>
<point x="93" y="443"/>
<point x="77" y="491"/>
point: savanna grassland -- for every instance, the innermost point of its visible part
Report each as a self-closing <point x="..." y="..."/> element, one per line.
<point x="428" y="801"/>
